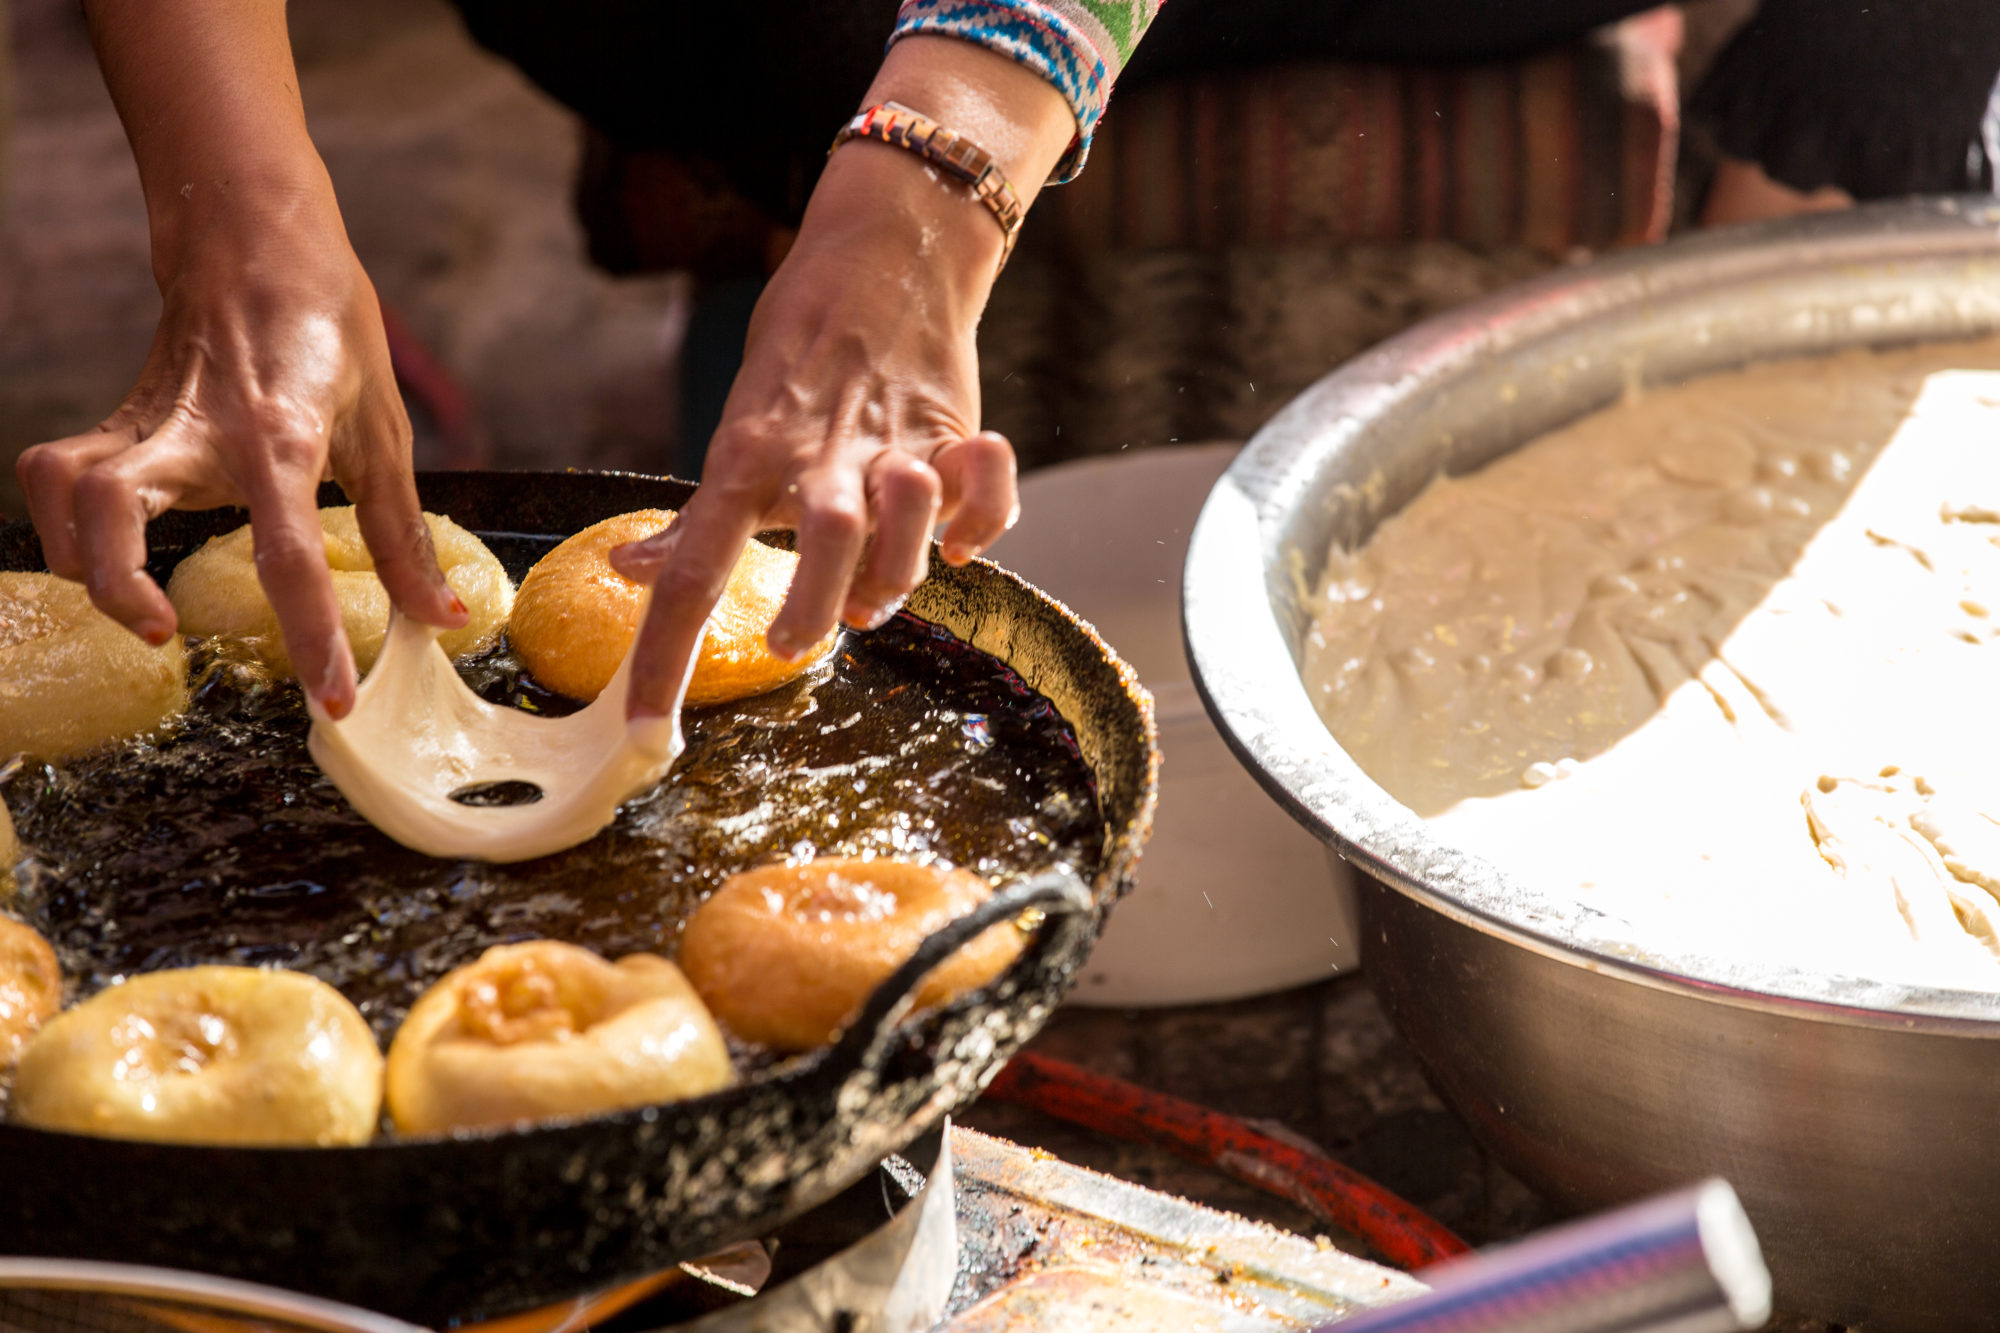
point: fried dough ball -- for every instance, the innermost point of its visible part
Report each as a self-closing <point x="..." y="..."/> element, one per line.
<point x="537" y="1030"/>
<point x="576" y="615"/>
<point x="215" y="1055"/>
<point x="10" y="852"/>
<point x="784" y="955"/>
<point x="30" y="985"/>
<point x="215" y="590"/>
<point x="71" y="677"/>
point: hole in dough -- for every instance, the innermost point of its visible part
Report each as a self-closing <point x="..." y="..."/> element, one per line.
<point x="506" y="792"/>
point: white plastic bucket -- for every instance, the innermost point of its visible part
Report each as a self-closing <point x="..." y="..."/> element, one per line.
<point x="1233" y="898"/>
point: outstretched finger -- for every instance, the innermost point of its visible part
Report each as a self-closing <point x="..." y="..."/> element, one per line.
<point x="641" y="561"/>
<point x="48" y="474"/>
<point x="290" y="548"/>
<point x="903" y="495"/>
<point x="384" y="491"/>
<point x="980" y="499"/>
<point x="709" y="537"/>
<point x="114" y="500"/>
<point x="832" y="530"/>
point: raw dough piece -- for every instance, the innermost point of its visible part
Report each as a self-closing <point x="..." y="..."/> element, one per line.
<point x="539" y="1030"/>
<point x="216" y="590"/>
<point x="71" y="677"/>
<point x="417" y="734"/>
<point x="221" y="1055"/>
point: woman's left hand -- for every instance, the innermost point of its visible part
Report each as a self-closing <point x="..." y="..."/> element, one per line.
<point x="855" y="417"/>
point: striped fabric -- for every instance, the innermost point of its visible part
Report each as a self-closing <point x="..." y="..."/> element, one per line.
<point x="1574" y="147"/>
<point x="1078" y="45"/>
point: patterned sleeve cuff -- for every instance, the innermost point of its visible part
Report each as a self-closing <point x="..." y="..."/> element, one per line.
<point x="1077" y="45"/>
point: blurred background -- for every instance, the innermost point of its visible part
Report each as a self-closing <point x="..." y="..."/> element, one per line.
<point x="455" y="178"/>
<point x="1120" y="325"/>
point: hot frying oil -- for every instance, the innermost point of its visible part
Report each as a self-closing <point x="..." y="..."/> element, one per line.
<point x="219" y="841"/>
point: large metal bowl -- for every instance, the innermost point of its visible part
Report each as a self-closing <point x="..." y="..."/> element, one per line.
<point x="1859" y="1120"/>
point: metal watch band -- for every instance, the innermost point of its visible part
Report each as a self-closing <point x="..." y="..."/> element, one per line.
<point x="951" y="152"/>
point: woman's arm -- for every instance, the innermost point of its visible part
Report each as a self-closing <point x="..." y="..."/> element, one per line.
<point x="1079" y="47"/>
<point x="269" y="371"/>
<point x="855" y="417"/>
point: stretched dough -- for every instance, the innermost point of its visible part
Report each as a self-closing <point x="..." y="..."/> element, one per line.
<point x="417" y="734"/>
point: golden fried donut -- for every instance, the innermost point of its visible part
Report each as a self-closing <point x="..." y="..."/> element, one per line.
<point x="576" y="615"/>
<point x="71" y="677"/>
<point x="785" y="954"/>
<point x="10" y="852"/>
<point x="543" y="1029"/>
<point x="215" y="590"/>
<point x="219" y="1055"/>
<point x="30" y="985"/>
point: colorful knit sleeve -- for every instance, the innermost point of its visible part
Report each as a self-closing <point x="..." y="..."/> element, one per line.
<point x="1077" y="45"/>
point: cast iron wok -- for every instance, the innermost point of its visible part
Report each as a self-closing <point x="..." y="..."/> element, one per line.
<point x="476" y="1225"/>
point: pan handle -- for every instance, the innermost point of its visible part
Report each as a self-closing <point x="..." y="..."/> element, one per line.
<point x="1057" y="892"/>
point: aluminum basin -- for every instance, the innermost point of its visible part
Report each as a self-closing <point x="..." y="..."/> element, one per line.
<point x="1859" y="1120"/>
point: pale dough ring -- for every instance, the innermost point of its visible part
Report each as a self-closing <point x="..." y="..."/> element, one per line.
<point x="784" y="955"/>
<point x="575" y="617"/>
<point x="541" y="1030"/>
<point x="71" y="677"/>
<point x="30" y="985"/>
<point x="417" y="734"/>
<point x="216" y="590"/>
<point x="215" y="1055"/>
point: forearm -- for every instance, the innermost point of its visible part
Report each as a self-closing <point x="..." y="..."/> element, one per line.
<point x="210" y="102"/>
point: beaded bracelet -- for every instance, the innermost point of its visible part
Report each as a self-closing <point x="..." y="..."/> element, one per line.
<point x="951" y="152"/>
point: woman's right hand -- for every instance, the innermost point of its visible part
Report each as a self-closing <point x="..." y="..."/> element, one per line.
<point x="269" y="373"/>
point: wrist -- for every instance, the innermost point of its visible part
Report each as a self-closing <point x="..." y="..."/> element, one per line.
<point x="1012" y="113"/>
<point x="244" y="210"/>
<point x="883" y="206"/>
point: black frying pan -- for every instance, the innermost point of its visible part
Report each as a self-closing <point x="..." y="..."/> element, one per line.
<point x="483" y="1224"/>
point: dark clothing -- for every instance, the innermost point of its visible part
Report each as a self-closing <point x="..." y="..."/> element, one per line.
<point x="1879" y="97"/>
<point x="756" y="87"/>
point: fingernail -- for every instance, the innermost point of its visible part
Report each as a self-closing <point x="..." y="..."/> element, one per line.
<point x="158" y="635"/>
<point x="784" y="646"/>
<point x="335" y="695"/>
<point x="882" y="614"/>
<point x="458" y="606"/>
<point x="957" y="553"/>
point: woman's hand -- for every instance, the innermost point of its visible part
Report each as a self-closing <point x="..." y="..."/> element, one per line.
<point x="270" y="371"/>
<point x="855" y="417"/>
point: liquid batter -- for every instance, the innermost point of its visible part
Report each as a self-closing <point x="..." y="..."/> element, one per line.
<point x="1722" y="662"/>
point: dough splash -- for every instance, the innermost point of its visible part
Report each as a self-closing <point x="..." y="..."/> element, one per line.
<point x="1719" y="662"/>
<point x="417" y="734"/>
